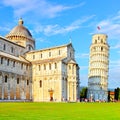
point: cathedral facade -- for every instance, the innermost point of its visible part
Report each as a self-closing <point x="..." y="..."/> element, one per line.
<point x="50" y="74"/>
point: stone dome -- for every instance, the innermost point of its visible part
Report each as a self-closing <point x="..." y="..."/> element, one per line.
<point x="19" y="31"/>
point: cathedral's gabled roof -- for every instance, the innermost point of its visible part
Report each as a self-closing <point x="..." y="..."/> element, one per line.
<point x="65" y="45"/>
<point x="72" y="62"/>
<point x="48" y="60"/>
<point x="19" y="30"/>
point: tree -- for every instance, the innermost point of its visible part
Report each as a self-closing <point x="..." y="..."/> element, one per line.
<point x="83" y="93"/>
<point x="117" y="94"/>
<point x="109" y="96"/>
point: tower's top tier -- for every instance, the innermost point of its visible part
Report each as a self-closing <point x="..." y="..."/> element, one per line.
<point x="99" y="38"/>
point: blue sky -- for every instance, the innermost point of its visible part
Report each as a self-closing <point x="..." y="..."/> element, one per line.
<point x="55" y="22"/>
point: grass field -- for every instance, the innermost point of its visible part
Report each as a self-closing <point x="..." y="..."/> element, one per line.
<point x="59" y="111"/>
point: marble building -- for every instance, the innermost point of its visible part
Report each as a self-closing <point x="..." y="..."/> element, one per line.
<point x="49" y="74"/>
<point x="98" y="68"/>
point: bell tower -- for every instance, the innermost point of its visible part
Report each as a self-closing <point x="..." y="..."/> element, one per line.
<point x="98" y="68"/>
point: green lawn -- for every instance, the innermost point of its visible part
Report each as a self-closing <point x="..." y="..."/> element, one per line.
<point x="59" y="111"/>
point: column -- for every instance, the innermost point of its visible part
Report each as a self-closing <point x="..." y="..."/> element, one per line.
<point x="14" y="83"/>
<point x="9" y="77"/>
<point x="73" y="91"/>
<point x="24" y="79"/>
<point x="2" y="86"/>
<point x="31" y="87"/>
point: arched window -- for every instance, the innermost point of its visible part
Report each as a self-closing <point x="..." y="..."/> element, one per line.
<point x="29" y="48"/>
<point x="17" y="80"/>
<point x="4" y="47"/>
<point x="94" y="48"/>
<point x="72" y="69"/>
<point x="6" y="79"/>
<point x="1" y="60"/>
<point x="44" y="67"/>
<point x="39" y="67"/>
<point x="69" y="67"/>
<point x="70" y="54"/>
<point x="59" y="52"/>
<point x="33" y="56"/>
<point x="27" y="82"/>
<point x="101" y="48"/>
<point x="98" y="37"/>
<point x="40" y="83"/>
<point x="49" y="66"/>
<point x="49" y="54"/>
<point x="13" y="63"/>
<point x="55" y="65"/>
<point x="101" y="40"/>
<point x="41" y="55"/>
<point x="95" y="41"/>
<point x="26" y="67"/>
<point x="21" y="65"/>
<point x="8" y="62"/>
<point x="12" y="50"/>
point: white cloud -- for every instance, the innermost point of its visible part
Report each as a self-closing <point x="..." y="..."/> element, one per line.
<point x="42" y="40"/>
<point x="111" y="26"/>
<point x="41" y="7"/>
<point x="55" y="29"/>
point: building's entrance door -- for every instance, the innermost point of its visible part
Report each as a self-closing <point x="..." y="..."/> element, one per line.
<point x="51" y="94"/>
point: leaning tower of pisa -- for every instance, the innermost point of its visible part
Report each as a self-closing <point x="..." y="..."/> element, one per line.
<point x="98" y="68"/>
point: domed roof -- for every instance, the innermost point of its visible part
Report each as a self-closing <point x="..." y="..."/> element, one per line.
<point x="20" y="30"/>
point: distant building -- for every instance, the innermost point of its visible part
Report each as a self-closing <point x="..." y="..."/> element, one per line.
<point x="111" y="95"/>
<point x="50" y="74"/>
<point x="98" y="68"/>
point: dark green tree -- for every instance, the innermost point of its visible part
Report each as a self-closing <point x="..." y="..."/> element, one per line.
<point x="83" y="92"/>
<point x="108" y="96"/>
<point x="117" y="94"/>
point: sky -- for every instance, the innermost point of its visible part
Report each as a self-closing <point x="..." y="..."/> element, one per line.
<point x="57" y="22"/>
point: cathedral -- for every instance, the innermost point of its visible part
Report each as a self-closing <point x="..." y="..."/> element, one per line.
<point x="49" y="74"/>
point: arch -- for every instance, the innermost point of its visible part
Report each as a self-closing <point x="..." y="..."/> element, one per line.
<point x="27" y="82"/>
<point x="40" y="83"/>
<point x="41" y="55"/>
<point x="44" y="67"/>
<point x="55" y="65"/>
<point x="1" y="60"/>
<point x="101" y="40"/>
<point x="95" y="41"/>
<point x="8" y="62"/>
<point x="4" y="47"/>
<point x="39" y="67"/>
<point x="29" y="47"/>
<point x="12" y="49"/>
<point x="101" y="48"/>
<point x="69" y="67"/>
<point x="18" y="80"/>
<point x="49" y="54"/>
<point x="49" y="66"/>
<point x="6" y="78"/>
